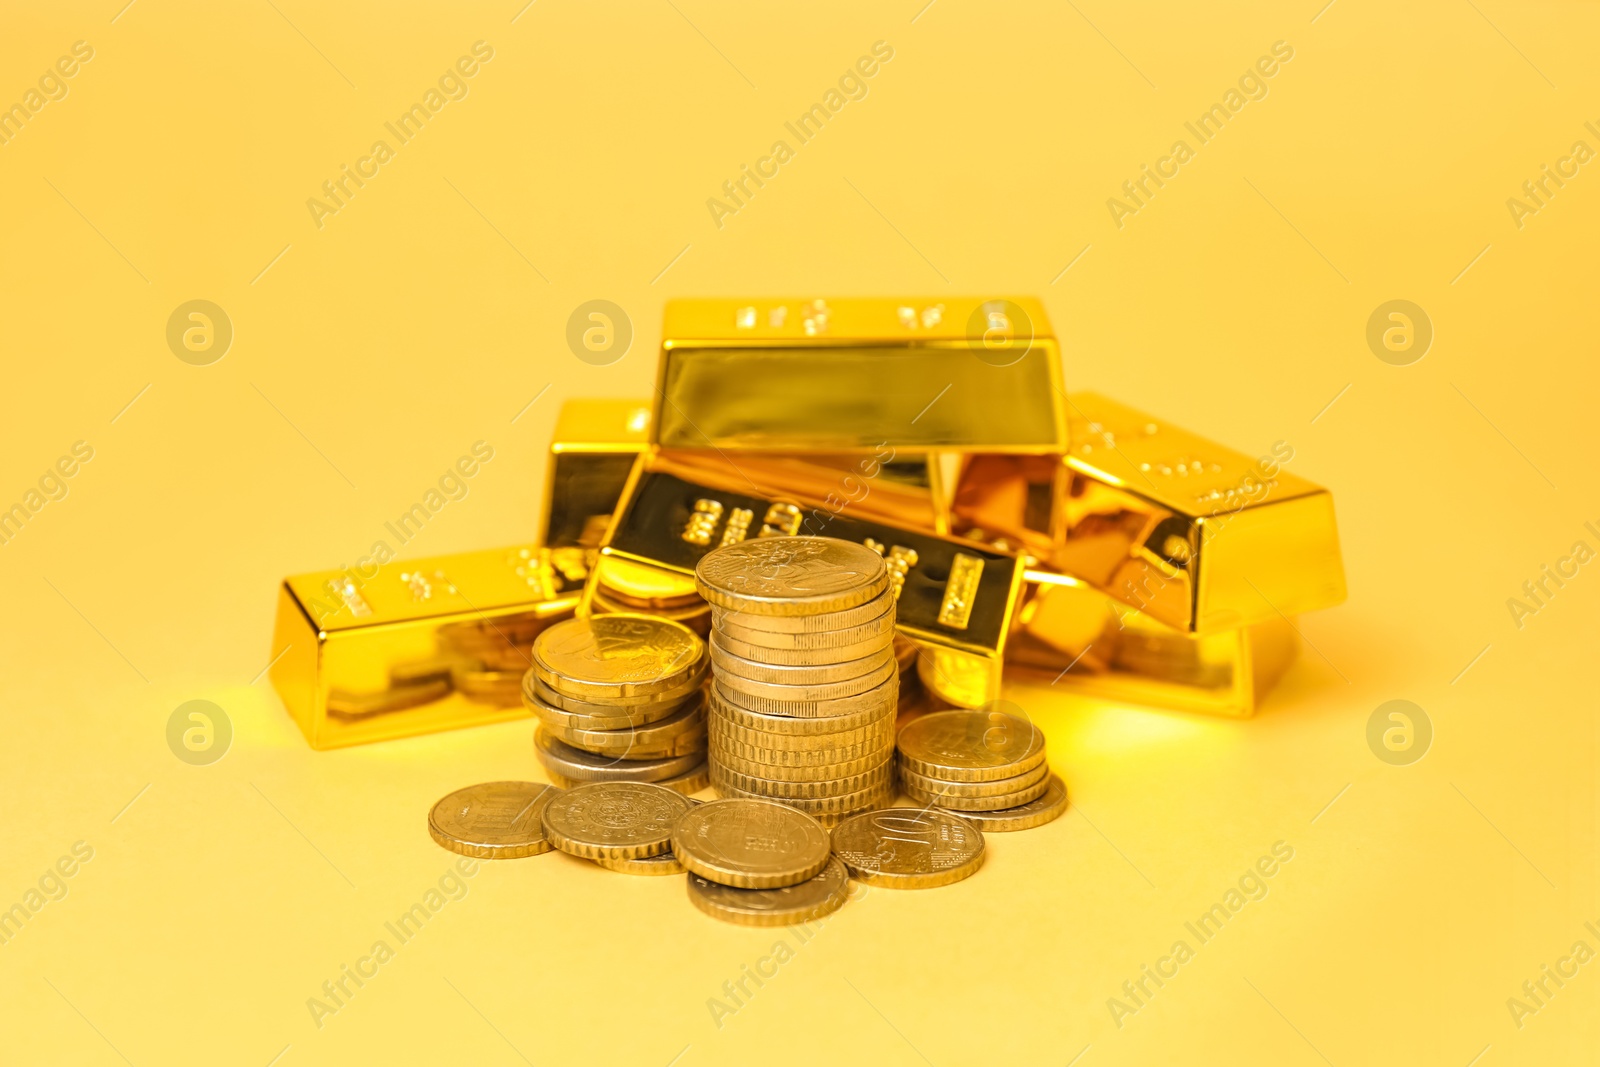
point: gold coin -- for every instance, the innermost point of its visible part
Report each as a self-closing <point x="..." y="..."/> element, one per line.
<point x="955" y="803"/>
<point x="821" y="643"/>
<point x="614" y="820"/>
<point x="879" y="607"/>
<point x="806" y="675"/>
<point x="880" y="698"/>
<point x="872" y="717"/>
<point x="970" y="746"/>
<point x="797" y="759"/>
<point x="666" y="863"/>
<point x="791" y="575"/>
<point x="902" y="848"/>
<point x="792" y="772"/>
<point x="798" y="657"/>
<point x="493" y="821"/>
<point x="998" y="787"/>
<point x="811" y="788"/>
<point x="617" y="656"/>
<point x="625" y="748"/>
<point x="732" y="682"/>
<point x="750" y="844"/>
<point x="557" y="717"/>
<point x="533" y="688"/>
<point x="802" y="903"/>
<point x="1047" y="807"/>
<point x="559" y="758"/>
<point x="676" y="730"/>
<point x="693" y="780"/>
<point x="876" y="796"/>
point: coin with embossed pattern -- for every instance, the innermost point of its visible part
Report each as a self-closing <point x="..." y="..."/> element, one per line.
<point x="903" y="848"/>
<point x="614" y="820"/>
<point x="621" y="655"/>
<point x="493" y="821"/>
<point x="970" y="746"/>
<point x="1047" y="807"/>
<point x="803" y="902"/>
<point x="791" y="575"/>
<point x="751" y="844"/>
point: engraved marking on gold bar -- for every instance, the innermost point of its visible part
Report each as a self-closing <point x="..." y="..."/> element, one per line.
<point x="900" y="560"/>
<point x="959" y="591"/>
<point x="703" y="523"/>
<point x="781" y="520"/>
<point x="738" y="527"/>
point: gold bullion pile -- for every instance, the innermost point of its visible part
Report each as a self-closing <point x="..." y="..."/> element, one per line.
<point x="788" y="711"/>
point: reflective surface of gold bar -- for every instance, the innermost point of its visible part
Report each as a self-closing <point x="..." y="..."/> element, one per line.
<point x="421" y="645"/>
<point x="852" y="375"/>
<point x="1194" y="535"/>
<point x="954" y="598"/>
<point x="1080" y="640"/>
<point x="591" y="453"/>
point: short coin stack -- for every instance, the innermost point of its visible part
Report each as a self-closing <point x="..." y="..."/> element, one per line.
<point x="758" y="863"/>
<point x="619" y="698"/>
<point x="979" y="763"/>
<point x="806" y="679"/>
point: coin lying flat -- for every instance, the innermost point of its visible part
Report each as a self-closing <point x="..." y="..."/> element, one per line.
<point x="493" y="821"/>
<point x="666" y="863"/>
<point x="970" y="746"/>
<point x="559" y="758"/>
<point x="803" y="902"/>
<point x="944" y="800"/>
<point x="874" y="711"/>
<point x="1050" y="805"/>
<point x="637" y="709"/>
<point x="782" y="698"/>
<point x="614" y="820"/>
<point x="617" y="656"/>
<point x="685" y="725"/>
<point x="791" y="575"/>
<point x="902" y="848"/>
<point x="693" y="780"/>
<point x="997" y="787"/>
<point x="878" y="608"/>
<point x="824" y="642"/>
<point x="750" y="844"/>
<point x="805" y="676"/>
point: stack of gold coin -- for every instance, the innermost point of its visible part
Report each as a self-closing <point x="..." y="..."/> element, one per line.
<point x="980" y="761"/>
<point x="802" y="705"/>
<point x="619" y="698"/>
<point x="630" y="589"/>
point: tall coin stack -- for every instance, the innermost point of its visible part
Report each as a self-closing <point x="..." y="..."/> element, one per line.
<point x="805" y="677"/>
<point x="619" y="698"/>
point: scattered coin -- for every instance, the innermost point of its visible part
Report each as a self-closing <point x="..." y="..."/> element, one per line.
<point x="614" y="820"/>
<point x="1051" y="805"/>
<point x="493" y="821"/>
<point x="902" y="848"/>
<point x="750" y="844"/>
<point x="666" y="863"/>
<point x="800" y="903"/>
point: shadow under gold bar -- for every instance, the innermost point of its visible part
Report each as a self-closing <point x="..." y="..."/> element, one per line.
<point x="852" y="375"/>
<point x="1078" y="639"/>
<point x="1194" y="535"/>
<point x="422" y="645"/>
<point x="954" y="598"/>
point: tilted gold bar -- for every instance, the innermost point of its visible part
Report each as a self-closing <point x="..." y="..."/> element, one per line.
<point x="591" y="453"/>
<point x="955" y="598"/>
<point x="852" y="375"/>
<point x="1081" y="640"/>
<point x="419" y="645"/>
<point x="1193" y="534"/>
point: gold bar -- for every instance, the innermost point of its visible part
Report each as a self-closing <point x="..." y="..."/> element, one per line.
<point x="591" y="453"/>
<point x="677" y="507"/>
<point x="1194" y="535"/>
<point x="421" y="645"/>
<point x="853" y="375"/>
<point x="1077" y="638"/>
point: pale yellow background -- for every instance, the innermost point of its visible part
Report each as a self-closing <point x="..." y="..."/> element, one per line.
<point x="430" y="311"/>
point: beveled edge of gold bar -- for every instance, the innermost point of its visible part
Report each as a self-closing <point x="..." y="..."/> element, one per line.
<point x="586" y="424"/>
